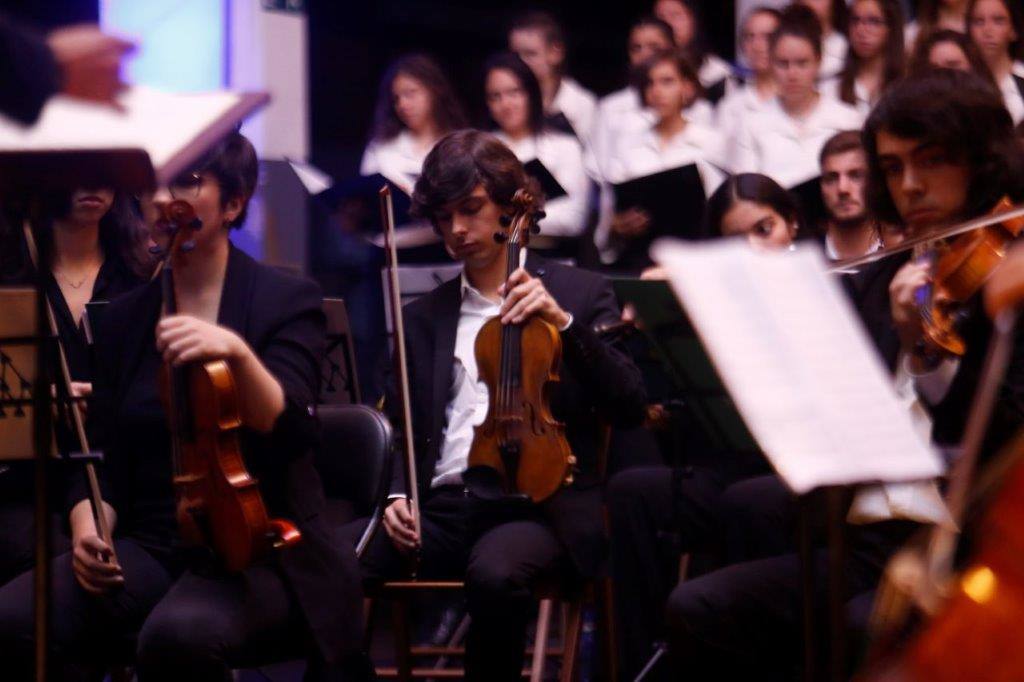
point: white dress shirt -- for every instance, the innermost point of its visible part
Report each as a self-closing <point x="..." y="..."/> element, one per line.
<point x="566" y="216"/>
<point x="1012" y="97"/>
<point x="862" y="99"/>
<point x="577" y="104"/>
<point x="641" y="151"/>
<point x="713" y="70"/>
<point x="786" y="149"/>
<point x="400" y="160"/>
<point x="621" y="113"/>
<point x="833" y="55"/>
<point x="741" y="103"/>
<point x="1018" y="68"/>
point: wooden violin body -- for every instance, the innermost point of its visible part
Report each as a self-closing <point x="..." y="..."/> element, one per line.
<point x="519" y="449"/>
<point x="525" y="445"/>
<point x="219" y="504"/>
<point x="961" y="269"/>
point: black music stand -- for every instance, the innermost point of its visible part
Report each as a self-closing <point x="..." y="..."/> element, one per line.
<point x="681" y="353"/>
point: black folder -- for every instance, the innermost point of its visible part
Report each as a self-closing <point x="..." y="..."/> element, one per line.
<point x="548" y="184"/>
<point x="812" y="207"/>
<point x="358" y="195"/>
<point x="675" y="201"/>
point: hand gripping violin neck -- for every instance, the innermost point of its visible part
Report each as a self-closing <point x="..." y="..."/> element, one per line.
<point x="519" y="449"/>
<point x="219" y="504"/>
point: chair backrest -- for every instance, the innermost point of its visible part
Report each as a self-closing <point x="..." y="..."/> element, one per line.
<point x="355" y="454"/>
<point x="339" y="383"/>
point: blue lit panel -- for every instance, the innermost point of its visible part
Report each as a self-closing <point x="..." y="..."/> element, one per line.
<point x="181" y="41"/>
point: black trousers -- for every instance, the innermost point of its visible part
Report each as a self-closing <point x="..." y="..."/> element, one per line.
<point x="17" y="538"/>
<point x="501" y="553"/>
<point x="190" y="626"/>
<point x="655" y="513"/>
<point x="745" y="620"/>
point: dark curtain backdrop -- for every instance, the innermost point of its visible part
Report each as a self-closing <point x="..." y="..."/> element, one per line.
<point x="351" y="42"/>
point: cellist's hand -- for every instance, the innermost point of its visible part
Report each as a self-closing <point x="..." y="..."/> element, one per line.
<point x="906" y="316"/>
<point x="184" y="338"/>
<point x="400" y="525"/>
<point x="526" y="296"/>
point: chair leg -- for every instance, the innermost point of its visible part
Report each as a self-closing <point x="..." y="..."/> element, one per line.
<point x="540" y="643"/>
<point x="403" y="644"/>
<point x="606" y="620"/>
<point x="571" y="644"/>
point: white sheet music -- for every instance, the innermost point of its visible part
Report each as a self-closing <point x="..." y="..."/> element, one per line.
<point x="797" y="363"/>
<point x="158" y="122"/>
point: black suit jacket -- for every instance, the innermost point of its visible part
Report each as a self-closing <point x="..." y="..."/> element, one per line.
<point x="281" y="318"/>
<point x="598" y="383"/>
<point x="869" y="290"/>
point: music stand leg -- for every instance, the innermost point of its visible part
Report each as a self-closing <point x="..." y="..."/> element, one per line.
<point x="807" y="585"/>
<point x="835" y="496"/>
<point x="42" y="427"/>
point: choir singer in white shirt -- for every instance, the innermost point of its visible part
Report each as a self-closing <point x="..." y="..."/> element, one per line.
<point x="785" y="140"/>
<point x="416" y="106"/>
<point x="539" y="40"/>
<point x="669" y="82"/>
<point x="514" y="103"/>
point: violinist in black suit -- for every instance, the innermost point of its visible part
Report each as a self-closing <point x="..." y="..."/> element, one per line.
<point x="940" y="150"/>
<point x="502" y="549"/>
<point x="193" y="620"/>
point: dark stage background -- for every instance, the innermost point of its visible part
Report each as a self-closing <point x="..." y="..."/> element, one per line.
<point x="351" y="43"/>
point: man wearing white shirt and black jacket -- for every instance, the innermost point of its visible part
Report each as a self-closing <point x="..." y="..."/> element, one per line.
<point x="940" y="149"/>
<point x="539" y="40"/>
<point x="501" y="551"/>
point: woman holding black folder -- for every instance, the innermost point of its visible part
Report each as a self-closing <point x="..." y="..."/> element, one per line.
<point x="785" y="140"/>
<point x="662" y="171"/>
<point x="555" y="159"/>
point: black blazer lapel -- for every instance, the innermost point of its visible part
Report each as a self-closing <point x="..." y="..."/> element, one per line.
<point x="446" y="324"/>
<point x="235" y="297"/>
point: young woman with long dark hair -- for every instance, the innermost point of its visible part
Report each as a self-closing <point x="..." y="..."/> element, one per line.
<point x="416" y="106"/>
<point x="876" y="56"/>
<point x="997" y="28"/>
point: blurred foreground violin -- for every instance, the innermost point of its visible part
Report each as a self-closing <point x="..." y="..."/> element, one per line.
<point x="219" y="504"/>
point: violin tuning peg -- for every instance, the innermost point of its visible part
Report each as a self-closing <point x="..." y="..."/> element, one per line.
<point x="539" y="216"/>
<point x="505" y="220"/>
<point x="535" y="229"/>
<point x="500" y="237"/>
<point x="196" y="224"/>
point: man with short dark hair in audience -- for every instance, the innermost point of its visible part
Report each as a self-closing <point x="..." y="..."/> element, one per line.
<point x="538" y="39"/>
<point x="849" y="229"/>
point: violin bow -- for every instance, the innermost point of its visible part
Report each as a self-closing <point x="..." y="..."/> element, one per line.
<point x="851" y="265"/>
<point x="412" y="493"/>
<point x="77" y="422"/>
